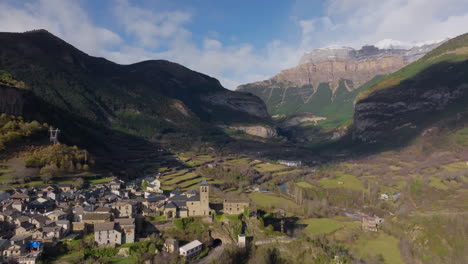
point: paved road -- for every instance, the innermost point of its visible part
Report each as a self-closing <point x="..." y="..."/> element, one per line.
<point x="213" y="255"/>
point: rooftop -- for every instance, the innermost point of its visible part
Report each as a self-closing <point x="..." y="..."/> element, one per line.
<point x="191" y="245"/>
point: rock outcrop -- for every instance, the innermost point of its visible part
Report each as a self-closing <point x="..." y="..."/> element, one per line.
<point x="258" y="130"/>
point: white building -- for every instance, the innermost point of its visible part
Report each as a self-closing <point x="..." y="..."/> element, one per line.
<point x="290" y="163"/>
<point x="191" y="249"/>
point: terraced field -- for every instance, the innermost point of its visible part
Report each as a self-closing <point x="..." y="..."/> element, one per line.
<point x="316" y="226"/>
<point x="343" y="181"/>
<point x="270" y="167"/>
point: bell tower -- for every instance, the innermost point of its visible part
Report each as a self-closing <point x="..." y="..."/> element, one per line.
<point x="205" y="197"/>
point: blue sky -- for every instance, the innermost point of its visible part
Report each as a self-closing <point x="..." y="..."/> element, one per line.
<point x="235" y="41"/>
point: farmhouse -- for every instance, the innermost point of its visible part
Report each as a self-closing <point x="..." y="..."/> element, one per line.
<point x="290" y="163"/>
<point x="235" y="206"/>
<point x="371" y="223"/>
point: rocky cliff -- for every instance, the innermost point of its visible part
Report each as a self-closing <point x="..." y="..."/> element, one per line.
<point x="404" y="103"/>
<point x="330" y="75"/>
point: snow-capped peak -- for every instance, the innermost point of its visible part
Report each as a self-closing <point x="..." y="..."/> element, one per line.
<point x="397" y="44"/>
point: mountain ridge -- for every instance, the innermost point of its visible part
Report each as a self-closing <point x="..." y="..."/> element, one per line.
<point x="292" y="90"/>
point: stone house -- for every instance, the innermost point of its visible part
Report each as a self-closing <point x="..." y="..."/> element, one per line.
<point x="235" y="206"/>
<point x="171" y="245"/>
<point x="105" y="234"/>
<point x="17" y="205"/>
<point x="57" y="215"/>
<point x="371" y="223"/>
<point x="39" y="220"/>
<point x="127" y="227"/>
<point x="123" y="209"/>
<point x="13" y="252"/>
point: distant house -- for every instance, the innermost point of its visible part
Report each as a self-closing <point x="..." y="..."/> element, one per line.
<point x="371" y="223"/>
<point x="191" y="249"/>
<point x="393" y="197"/>
<point x="261" y="189"/>
<point x="290" y="163"/>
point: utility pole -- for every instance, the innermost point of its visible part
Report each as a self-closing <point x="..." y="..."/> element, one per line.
<point x="54" y="135"/>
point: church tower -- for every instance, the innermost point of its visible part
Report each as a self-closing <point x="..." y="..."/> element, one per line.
<point x="205" y="197"/>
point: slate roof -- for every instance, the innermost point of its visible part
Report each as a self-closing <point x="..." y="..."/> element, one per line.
<point x="192" y="192"/>
<point x="94" y="216"/>
<point x="171" y="205"/>
<point x="155" y="198"/>
<point x="176" y="192"/>
<point x="194" y="198"/>
<point x="204" y="183"/>
<point x="104" y="226"/>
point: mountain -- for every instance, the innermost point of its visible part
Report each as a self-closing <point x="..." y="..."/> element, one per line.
<point x="115" y="108"/>
<point x="405" y="103"/>
<point x="327" y="80"/>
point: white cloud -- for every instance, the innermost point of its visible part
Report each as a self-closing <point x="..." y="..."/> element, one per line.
<point x="158" y="34"/>
<point x="360" y="22"/>
<point x="63" y="18"/>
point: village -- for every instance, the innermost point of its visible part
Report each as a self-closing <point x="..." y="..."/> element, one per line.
<point x="114" y="213"/>
<point x="233" y="199"/>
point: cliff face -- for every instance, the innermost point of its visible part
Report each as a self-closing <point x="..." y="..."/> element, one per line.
<point x="397" y="113"/>
<point x="327" y="80"/>
<point x="332" y="72"/>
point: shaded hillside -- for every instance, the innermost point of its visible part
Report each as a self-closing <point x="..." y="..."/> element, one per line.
<point x="111" y="109"/>
<point x="403" y="104"/>
<point x="159" y="94"/>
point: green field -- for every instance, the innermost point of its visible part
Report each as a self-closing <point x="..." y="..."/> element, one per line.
<point x="349" y="182"/>
<point x="271" y="201"/>
<point x="238" y="161"/>
<point x="379" y="244"/>
<point x="287" y="172"/>
<point x="180" y="178"/>
<point x="437" y="183"/>
<point x="269" y="167"/>
<point x="316" y="226"/>
<point x="304" y="184"/>
<point x="100" y="180"/>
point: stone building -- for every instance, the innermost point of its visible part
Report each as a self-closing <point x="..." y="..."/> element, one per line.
<point x="127" y="228"/>
<point x="105" y="234"/>
<point x="171" y="245"/>
<point x="192" y="203"/>
<point x="123" y="209"/>
<point x="235" y="206"/>
<point x="371" y="223"/>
